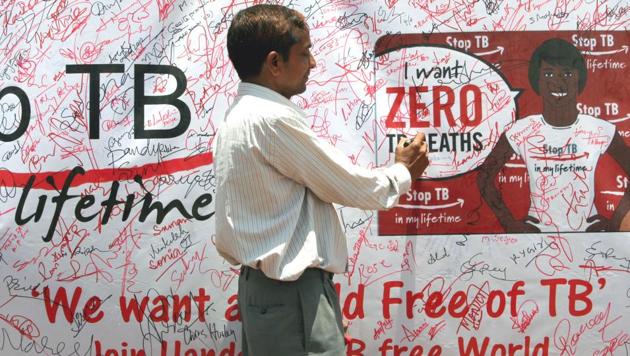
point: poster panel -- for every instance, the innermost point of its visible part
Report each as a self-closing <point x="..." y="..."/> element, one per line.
<point x="472" y="95"/>
<point x="108" y="110"/>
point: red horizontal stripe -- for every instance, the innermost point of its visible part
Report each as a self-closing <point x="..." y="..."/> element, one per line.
<point x="561" y="158"/>
<point x="13" y="179"/>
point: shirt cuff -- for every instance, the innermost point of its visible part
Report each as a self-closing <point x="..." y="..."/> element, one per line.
<point x="401" y="176"/>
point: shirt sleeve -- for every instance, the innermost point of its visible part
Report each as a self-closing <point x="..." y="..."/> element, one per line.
<point x="509" y="135"/>
<point x="297" y="153"/>
<point x="609" y="130"/>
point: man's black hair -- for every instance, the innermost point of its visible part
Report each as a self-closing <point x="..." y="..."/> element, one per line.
<point x="557" y="52"/>
<point x="258" y="30"/>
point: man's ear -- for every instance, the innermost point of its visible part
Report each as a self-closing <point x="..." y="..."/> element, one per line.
<point x="273" y="62"/>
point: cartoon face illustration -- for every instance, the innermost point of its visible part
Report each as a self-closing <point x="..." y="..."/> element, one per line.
<point x="558" y="84"/>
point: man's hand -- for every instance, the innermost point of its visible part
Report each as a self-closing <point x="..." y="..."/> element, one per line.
<point x="599" y="223"/>
<point x="413" y="154"/>
<point x="524" y="226"/>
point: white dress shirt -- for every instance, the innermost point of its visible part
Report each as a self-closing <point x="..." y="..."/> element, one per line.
<point x="276" y="182"/>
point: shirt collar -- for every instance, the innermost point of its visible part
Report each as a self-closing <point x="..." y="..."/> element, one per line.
<point x="245" y="88"/>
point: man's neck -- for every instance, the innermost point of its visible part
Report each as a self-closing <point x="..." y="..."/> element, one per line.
<point x="264" y="82"/>
<point x="564" y="115"/>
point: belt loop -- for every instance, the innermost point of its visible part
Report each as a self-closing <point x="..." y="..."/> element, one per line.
<point x="245" y="272"/>
<point x="326" y="276"/>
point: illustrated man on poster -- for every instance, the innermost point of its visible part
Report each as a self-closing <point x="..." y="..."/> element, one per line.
<point x="560" y="148"/>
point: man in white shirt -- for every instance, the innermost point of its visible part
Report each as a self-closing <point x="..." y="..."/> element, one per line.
<point x="276" y="182"/>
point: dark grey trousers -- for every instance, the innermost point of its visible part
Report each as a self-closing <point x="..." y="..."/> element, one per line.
<point x="298" y="318"/>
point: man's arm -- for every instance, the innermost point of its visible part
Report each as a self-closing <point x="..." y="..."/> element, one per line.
<point x="300" y="155"/>
<point x="487" y="173"/>
<point x="620" y="152"/>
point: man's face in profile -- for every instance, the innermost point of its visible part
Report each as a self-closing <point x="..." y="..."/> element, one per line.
<point x="297" y="67"/>
<point x="558" y="84"/>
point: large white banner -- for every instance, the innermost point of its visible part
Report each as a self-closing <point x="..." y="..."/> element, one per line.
<point x="107" y="114"/>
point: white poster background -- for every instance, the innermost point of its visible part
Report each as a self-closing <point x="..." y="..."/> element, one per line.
<point x="174" y="261"/>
